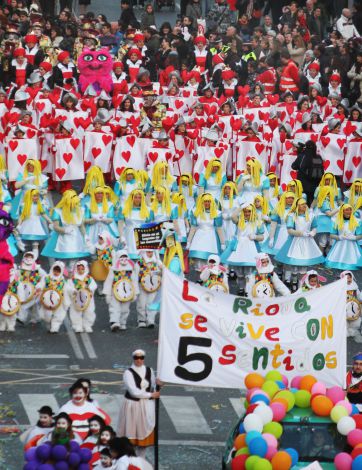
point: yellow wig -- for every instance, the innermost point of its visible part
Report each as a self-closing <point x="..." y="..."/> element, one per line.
<point x="233" y="192"/>
<point x="161" y="175"/>
<point x="28" y="202"/>
<point x="255" y="171"/>
<point x="264" y="204"/>
<point x="200" y="208"/>
<point x="142" y="178"/>
<point x="94" y="179"/>
<point x="355" y="191"/>
<point x="128" y="206"/>
<point x="281" y="205"/>
<point x="2" y="163"/>
<point x="70" y="206"/>
<point x="179" y="199"/>
<point x="214" y="162"/>
<point x="166" y="201"/>
<point x="37" y="170"/>
<point x="324" y="193"/>
<point x="173" y="251"/>
<point x="295" y="186"/>
<point x="353" y="221"/>
<point x="186" y="178"/>
<point x="93" y="202"/>
<point x="253" y="217"/>
<point x="332" y="185"/>
<point x="294" y="211"/>
<point x="124" y="174"/>
<point x="110" y="194"/>
<point x="271" y="176"/>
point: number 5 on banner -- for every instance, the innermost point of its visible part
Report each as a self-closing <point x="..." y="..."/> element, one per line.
<point x="183" y="358"/>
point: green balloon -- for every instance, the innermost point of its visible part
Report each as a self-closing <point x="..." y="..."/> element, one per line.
<point x="302" y="399"/>
<point x="288" y="396"/>
<point x="242" y="451"/>
<point x="270" y="387"/>
<point x="273" y="428"/>
<point x="338" y="412"/>
<point x="274" y="375"/>
<point x="251" y="462"/>
<point x="263" y="464"/>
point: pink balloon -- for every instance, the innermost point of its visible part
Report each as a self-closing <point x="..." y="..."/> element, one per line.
<point x="270" y="439"/>
<point x="336" y="394"/>
<point x="249" y="392"/>
<point x="319" y="389"/>
<point x="285" y="380"/>
<point x="259" y="391"/>
<point x="279" y="411"/>
<point x="271" y="452"/>
<point x="295" y="383"/>
<point x="346" y="404"/>
<point x="343" y="461"/>
<point x="354" y="437"/>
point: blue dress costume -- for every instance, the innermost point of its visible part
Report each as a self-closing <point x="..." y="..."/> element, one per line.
<point x="205" y="241"/>
<point x="300" y="251"/>
<point x="125" y="189"/>
<point x="249" y="191"/>
<point x="20" y="193"/>
<point x="94" y="230"/>
<point x="180" y="221"/>
<point x="324" y="221"/>
<point x="280" y="235"/>
<point x="345" y="254"/>
<point x="242" y="251"/>
<point x="337" y="198"/>
<point x="68" y="245"/>
<point x="211" y="186"/>
<point x="132" y="222"/>
<point x="227" y="222"/>
<point x="184" y="190"/>
<point x="34" y="227"/>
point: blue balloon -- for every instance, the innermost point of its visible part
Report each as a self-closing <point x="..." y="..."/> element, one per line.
<point x="74" y="446"/>
<point x="293" y="455"/>
<point x="74" y="459"/>
<point x="241" y="428"/>
<point x="84" y="466"/>
<point x="43" y="453"/>
<point x="61" y="465"/>
<point x="46" y="466"/>
<point x="260" y="398"/>
<point x="280" y="384"/>
<point x="355" y="410"/>
<point x="30" y="454"/>
<point x="357" y="463"/>
<point x="59" y="452"/>
<point x="31" y="466"/>
<point x="252" y="435"/>
<point x="85" y="455"/>
<point x="258" y="446"/>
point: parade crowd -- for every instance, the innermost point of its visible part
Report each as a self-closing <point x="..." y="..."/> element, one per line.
<point x="238" y="128"/>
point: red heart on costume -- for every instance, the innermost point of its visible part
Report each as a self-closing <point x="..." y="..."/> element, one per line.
<point x="30" y="133"/>
<point x="131" y="139"/>
<point x="288" y="144"/>
<point x="293" y="174"/>
<point x="60" y="172"/>
<point x="168" y="155"/>
<point x="341" y="143"/>
<point x="290" y="108"/>
<point x="74" y="143"/>
<point x="21" y="159"/>
<point x="40" y="106"/>
<point x="13" y="144"/>
<point x="340" y="164"/>
<point x="284" y="186"/>
<point x="348" y="174"/>
<point x="119" y="170"/>
<point x="76" y="121"/>
<point x="43" y="164"/>
<point x="321" y="100"/>
<point x="67" y="157"/>
<point x="196" y="177"/>
<point x="356" y="161"/>
<point x="126" y="155"/>
<point x="326" y="164"/>
<point x="243" y="90"/>
<point x="273" y="99"/>
<point x="178" y="104"/>
<point x="249" y="117"/>
<point x="272" y="169"/>
<point x="87" y="165"/>
<point x="259" y="148"/>
<point x="152" y="156"/>
<point x="268" y="136"/>
<point x="314" y="137"/>
<point x="218" y="152"/>
<point x="325" y="141"/>
<point x="243" y="101"/>
<point x="96" y="151"/>
<point x="106" y="139"/>
<point x="282" y="115"/>
<point x="206" y="162"/>
<point x="238" y="173"/>
<point x="180" y="153"/>
<point x="186" y="93"/>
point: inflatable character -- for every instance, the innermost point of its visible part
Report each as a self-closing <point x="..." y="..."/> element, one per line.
<point x="95" y="68"/>
<point x="6" y="259"/>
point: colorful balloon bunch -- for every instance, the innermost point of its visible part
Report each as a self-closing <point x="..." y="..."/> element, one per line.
<point x="57" y="457"/>
<point x="268" y="400"/>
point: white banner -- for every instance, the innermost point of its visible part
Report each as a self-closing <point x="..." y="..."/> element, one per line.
<point x="210" y="339"/>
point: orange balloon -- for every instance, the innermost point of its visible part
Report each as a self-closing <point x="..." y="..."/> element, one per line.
<point x="281" y="461"/>
<point x="253" y="380"/>
<point x="322" y="405"/>
<point x="307" y="382"/>
<point x="239" y="441"/>
<point x="283" y="401"/>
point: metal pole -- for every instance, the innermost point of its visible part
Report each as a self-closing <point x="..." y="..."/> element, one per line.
<point x="157" y="412"/>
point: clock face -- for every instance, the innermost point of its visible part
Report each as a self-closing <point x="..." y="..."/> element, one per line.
<point x="123" y="290"/>
<point x="26" y="291"/>
<point x="50" y="299"/>
<point x="263" y="289"/>
<point x="218" y="287"/>
<point x="353" y="309"/>
<point x="82" y="299"/>
<point x="151" y="281"/>
<point x="10" y="304"/>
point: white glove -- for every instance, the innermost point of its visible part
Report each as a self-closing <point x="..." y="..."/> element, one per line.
<point x="20" y="244"/>
<point x="51" y="227"/>
<point x="30" y="179"/>
<point x="222" y="246"/>
<point x="265" y="218"/>
<point x="251" y="237"/>
<point x="306" y="234"/>
<point x="271" y="242"/>
<point x="68" y="230"/>
<point x="186" y="33"/>
<point x="350" y="236"/>
<point x="342" y="237"/>
<point x="187" y="246"/>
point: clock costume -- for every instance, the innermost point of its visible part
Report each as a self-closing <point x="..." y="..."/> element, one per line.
<point x="214" y="275"/>
<point x="121" y="289"/>
<point x="55" y="298"/>
<point x="265" y="283"/>
<point x="10" y="303"/>
<point x="353" y="307"/>
<point x="149" y="269"/>
<point x="82" y="307"/>
<point x="305" y="285"/>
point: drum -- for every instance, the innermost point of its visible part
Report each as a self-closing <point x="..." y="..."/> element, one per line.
<point x="99" y="270"/>
<point x="151" y="281"/>
<point x="123" y="290"/>
<point x="263" y="290"/>
<point x="353" y="309"/>
<point x="217" y="286"/>
<point x="10" y="304"/>
<point x="81" y="299"/>
<point x="26" y="291"/>
<point x="51" y="299"/>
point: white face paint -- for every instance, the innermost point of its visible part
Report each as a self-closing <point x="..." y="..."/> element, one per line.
<point x="94" y="427"/>
<point x="79" y="396"/>
<point x="62" y="424"/>
<point x="105" y="437"/>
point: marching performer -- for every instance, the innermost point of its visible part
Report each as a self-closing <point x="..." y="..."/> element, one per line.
<point x="43" y="427"/>
<point x="96" y="424"/>
<point x="94" y="179"/>
<point x="149" y="269"/>
<point x="228" y="204"/>
<point x="173" y="259"/>
<point x="10" y="303"/>
<point x="214" y="275"/>
<point x="353" y="307"/>
<point x="187" y="189"/>
<point x="265" y="282"/>
<point x="179" y="216"/>
<point x="104" y="252"/>
<point x="213" y="180"/>
<point x="81" y="290"/>
<point x="253" y="182"/>
<point x="121" y="289"/>
<point x="325" y="210"/>
<point x="128" y="181"/>
<point x="161" y="205"/>
<point x="55" y="299"/>
<point x="310" y="281"/>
